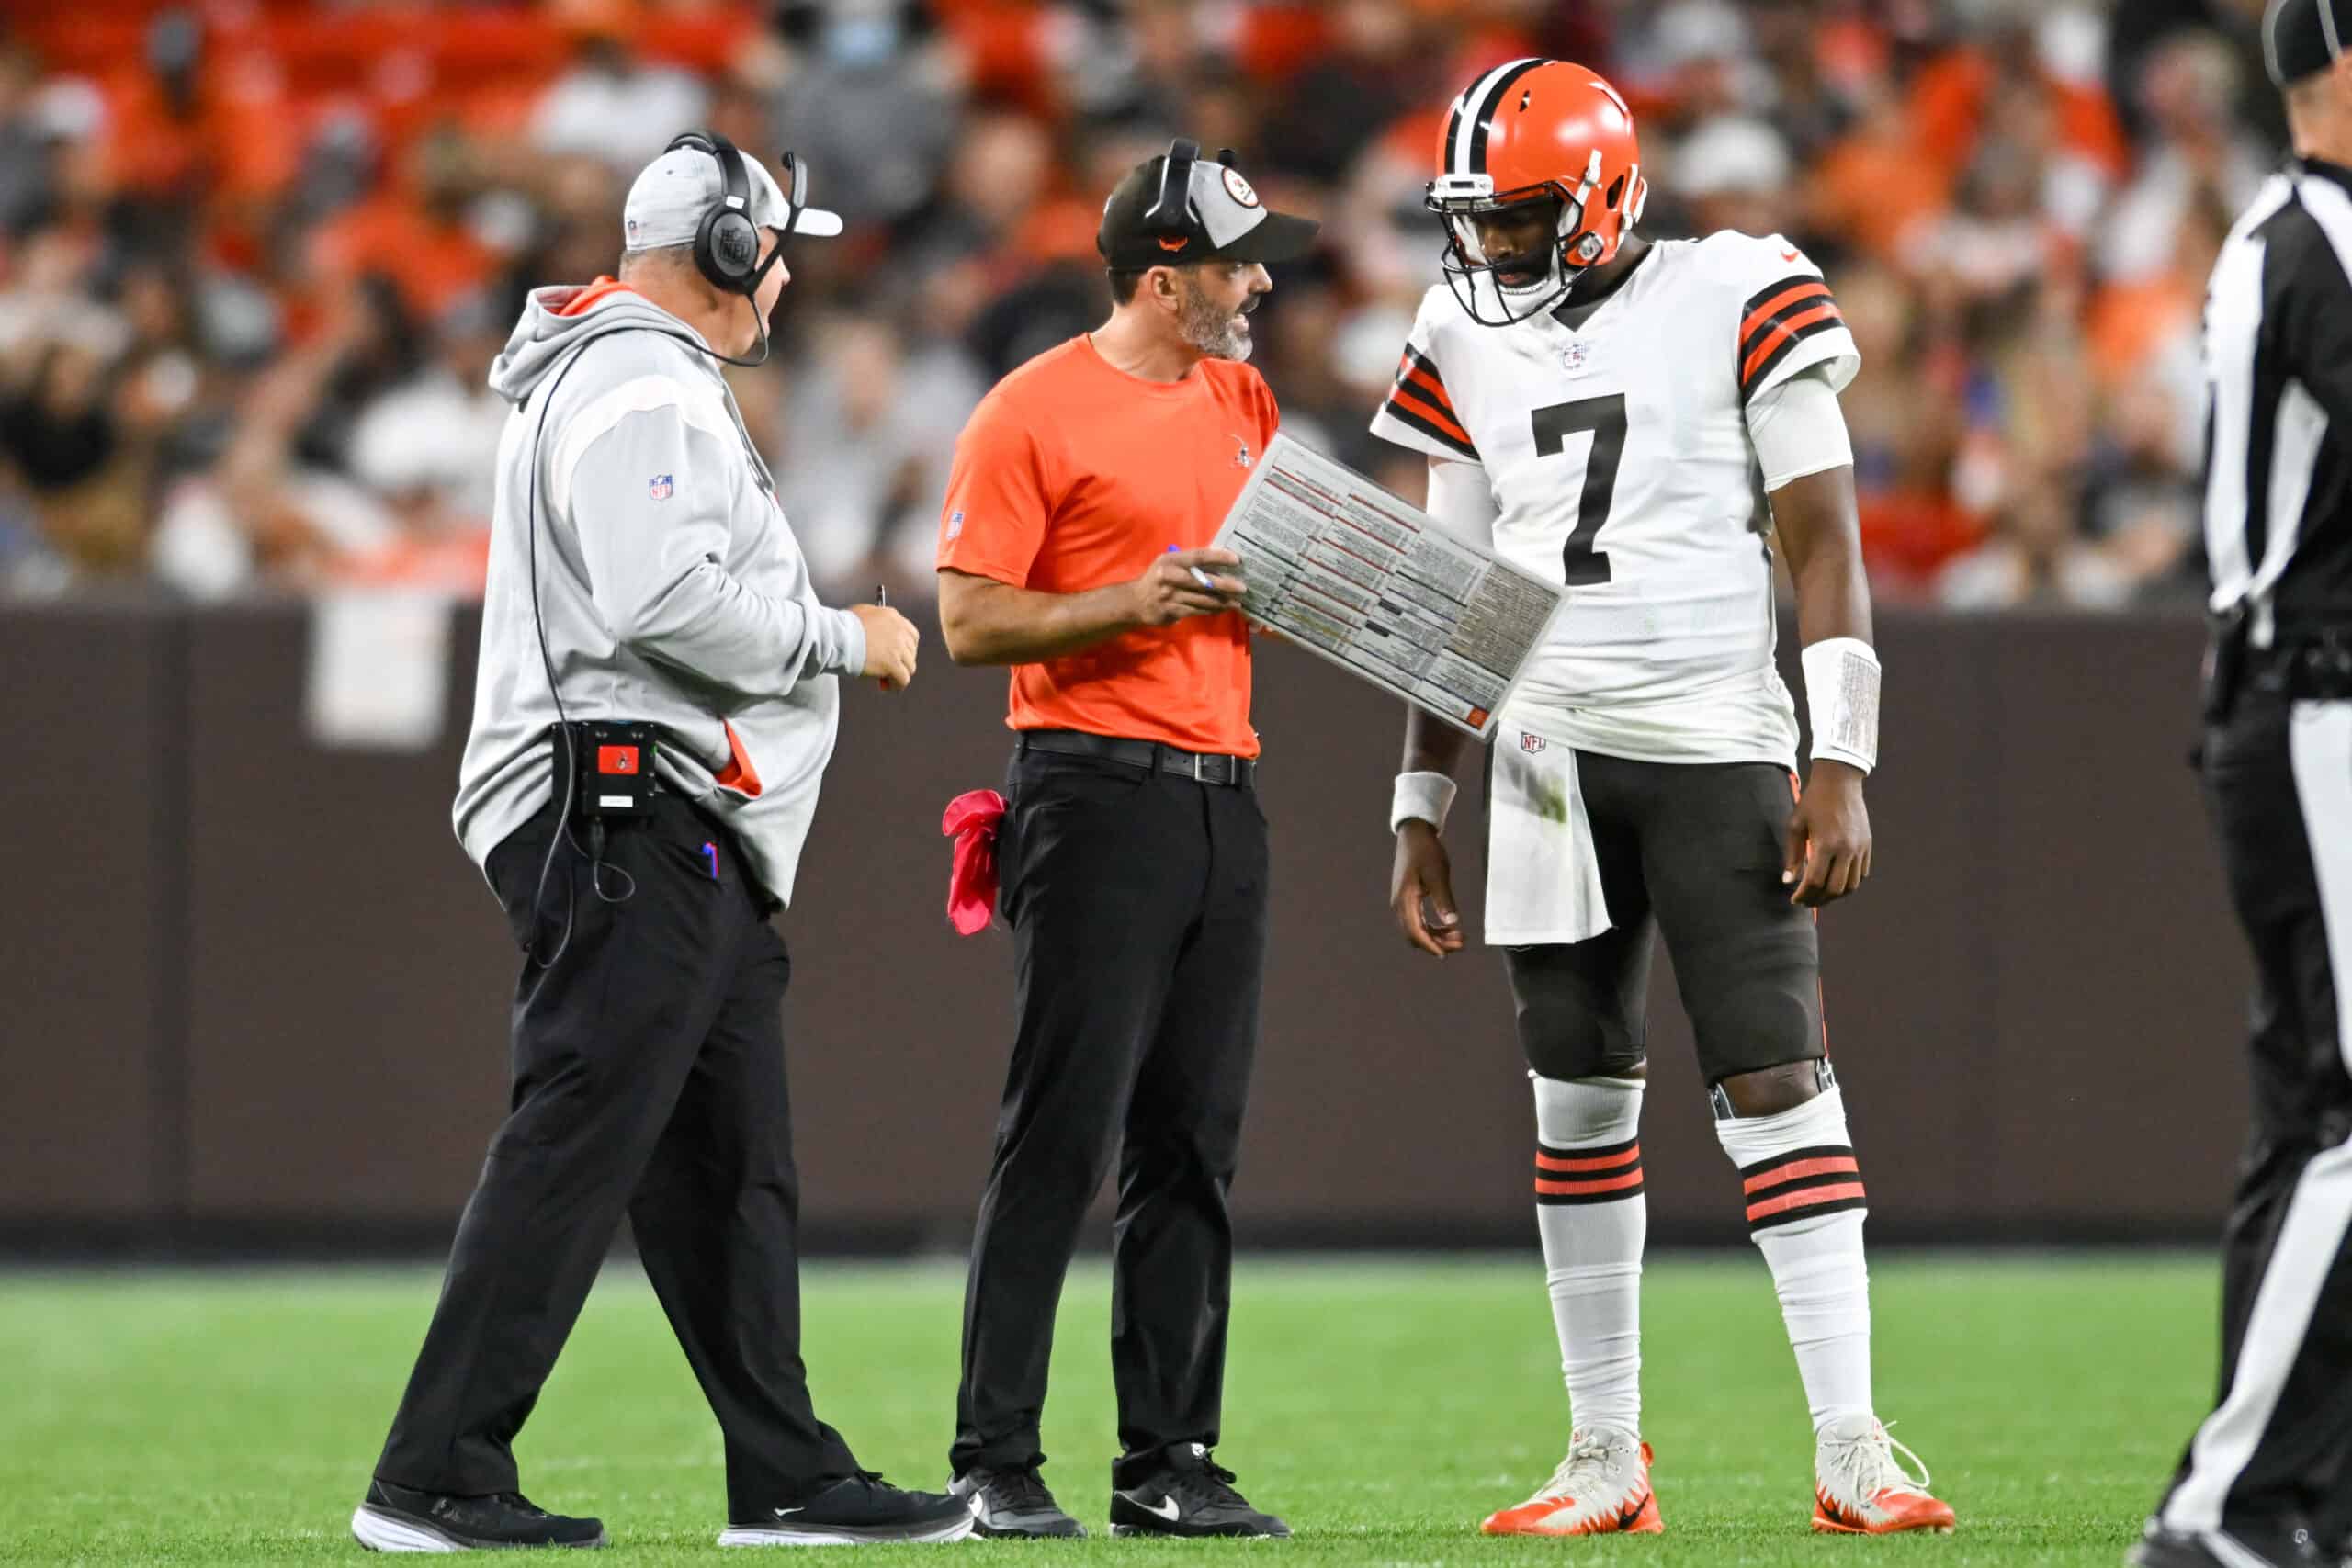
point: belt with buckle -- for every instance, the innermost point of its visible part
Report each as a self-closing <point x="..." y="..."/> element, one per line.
<point x="2317" y="669"/>
<point x="1204" y="767"/>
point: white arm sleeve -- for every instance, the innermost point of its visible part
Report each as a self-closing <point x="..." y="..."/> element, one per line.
<point x="1460" y="498"/>
<point x="1797" y="429"/>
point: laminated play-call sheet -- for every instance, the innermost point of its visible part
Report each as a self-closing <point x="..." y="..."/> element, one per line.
<point x="1339" y="565"/>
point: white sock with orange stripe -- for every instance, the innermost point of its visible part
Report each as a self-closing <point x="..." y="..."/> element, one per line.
<point x="1589" y="1208"/>
<point x="1804" y="1212"/>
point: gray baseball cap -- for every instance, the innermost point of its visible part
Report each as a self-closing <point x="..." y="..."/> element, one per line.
<point x="667" y="202"/>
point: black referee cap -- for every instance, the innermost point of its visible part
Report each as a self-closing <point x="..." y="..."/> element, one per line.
<point x="2302" y="37"/>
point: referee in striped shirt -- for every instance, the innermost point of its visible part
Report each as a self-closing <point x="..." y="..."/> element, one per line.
<point x="2267" y="1478"/>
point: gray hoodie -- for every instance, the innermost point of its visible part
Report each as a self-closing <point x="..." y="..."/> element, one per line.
<point x="670" y="586"/>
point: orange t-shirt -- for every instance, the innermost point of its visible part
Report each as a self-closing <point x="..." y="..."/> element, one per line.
<point x="1072" y="475"/>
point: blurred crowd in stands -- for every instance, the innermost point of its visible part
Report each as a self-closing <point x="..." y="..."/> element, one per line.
<point x="256" y="256"/>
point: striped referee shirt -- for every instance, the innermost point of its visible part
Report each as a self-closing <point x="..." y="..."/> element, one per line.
<point x="2278" y="415"/>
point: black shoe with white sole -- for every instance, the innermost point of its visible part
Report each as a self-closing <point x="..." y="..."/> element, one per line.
<point x="1013" y="1503"/>
<point x="863" y="1508"/>
<point x="2232" y="1546"/>
<point x="1187" y="1493"/>
<point x="400" y="1519"/>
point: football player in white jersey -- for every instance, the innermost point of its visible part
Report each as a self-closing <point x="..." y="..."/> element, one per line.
<point x="1640" y="421"/>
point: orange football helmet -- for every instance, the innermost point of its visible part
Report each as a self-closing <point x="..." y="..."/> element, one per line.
<point x="1536" y="131"/>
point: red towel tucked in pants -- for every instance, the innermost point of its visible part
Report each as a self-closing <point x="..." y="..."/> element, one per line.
<point x="971" y="820"/>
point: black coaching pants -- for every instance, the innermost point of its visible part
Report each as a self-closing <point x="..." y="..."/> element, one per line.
<point x="2272" y="1457"/>
<point x="649" y="1078"/>
<point x="1137" y="903"/>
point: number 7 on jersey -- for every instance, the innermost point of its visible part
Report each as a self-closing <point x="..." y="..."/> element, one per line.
<point x="1605" y="418"/>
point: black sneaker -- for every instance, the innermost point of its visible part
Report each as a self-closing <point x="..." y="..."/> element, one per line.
<point x="2232" y="1546"/>
<point x="1188" y="1494"/>
<point x="854" y="1512"/>
<point x="1014" y="1502"/>
<point x="399" y="1519"/>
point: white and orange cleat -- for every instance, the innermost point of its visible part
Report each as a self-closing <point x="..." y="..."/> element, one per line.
<point x="1859" y="1488"/>
<point x="1601" y="1488"/>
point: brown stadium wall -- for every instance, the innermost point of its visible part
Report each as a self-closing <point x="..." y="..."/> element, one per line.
<point x="252" y="995"/>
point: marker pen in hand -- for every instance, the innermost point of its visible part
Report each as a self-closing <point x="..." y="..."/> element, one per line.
<point x="1198" y="575"/>
<point x="882" y="601"/>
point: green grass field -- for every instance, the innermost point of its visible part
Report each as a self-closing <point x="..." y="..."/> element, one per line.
<point x="1383" y="1407"/>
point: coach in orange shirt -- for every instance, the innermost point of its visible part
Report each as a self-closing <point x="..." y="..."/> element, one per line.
<point x="1132" y="853"/>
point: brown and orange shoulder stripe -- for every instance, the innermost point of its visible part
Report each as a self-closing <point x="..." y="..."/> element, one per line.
<point x="1418" y="399"/>
<point x="1778" y="319"/>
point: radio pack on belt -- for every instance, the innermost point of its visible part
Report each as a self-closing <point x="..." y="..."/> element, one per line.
<point x="613" y="765"/>
<point x="2225" y="652"/>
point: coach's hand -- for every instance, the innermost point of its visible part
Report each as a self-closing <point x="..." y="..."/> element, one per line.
<point x="891" y="642"/>
<point x="1168" y="592"/>
<point x="1828" y="849"/>
<point x="1425" y="872"/>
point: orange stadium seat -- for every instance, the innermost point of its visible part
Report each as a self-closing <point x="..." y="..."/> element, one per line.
<point x="1003" y="44"/>
<point x="1277" y="40"/>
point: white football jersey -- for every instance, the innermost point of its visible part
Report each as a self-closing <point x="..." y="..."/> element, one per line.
<point x="1620" y="462"/>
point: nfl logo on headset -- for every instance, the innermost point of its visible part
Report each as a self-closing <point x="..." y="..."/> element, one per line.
<point x="659" y="487"/>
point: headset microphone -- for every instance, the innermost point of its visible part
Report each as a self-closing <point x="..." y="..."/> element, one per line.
<point x="726" y="242"/>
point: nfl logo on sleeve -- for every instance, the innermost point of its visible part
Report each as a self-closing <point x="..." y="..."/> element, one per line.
<point x="659" y="487"/>
<point x="954" y="524"/>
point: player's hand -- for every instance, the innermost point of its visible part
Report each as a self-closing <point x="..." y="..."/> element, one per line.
<point x="1421" y="891"/>
<point x="1828" y="841"/>
<point x="1168" y="592"/>
<point x="890" y="643"/>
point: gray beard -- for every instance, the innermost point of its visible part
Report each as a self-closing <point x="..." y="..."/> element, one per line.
<point x="1210" y="329"/>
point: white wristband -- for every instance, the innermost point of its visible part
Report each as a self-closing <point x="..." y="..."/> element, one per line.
<point x="1425" y="797"/>
<point x="1841" y="676"/>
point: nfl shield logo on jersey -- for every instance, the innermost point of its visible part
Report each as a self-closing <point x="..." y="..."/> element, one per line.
<point x="1531" y="742"/>
<point x="659" y="487"/>
<point x="1576" y="356"/>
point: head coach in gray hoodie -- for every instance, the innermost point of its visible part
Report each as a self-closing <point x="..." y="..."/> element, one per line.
<point x="646" y="592"/>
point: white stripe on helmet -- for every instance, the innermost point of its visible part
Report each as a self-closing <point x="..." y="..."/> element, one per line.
<point x="1475" y="107"/>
